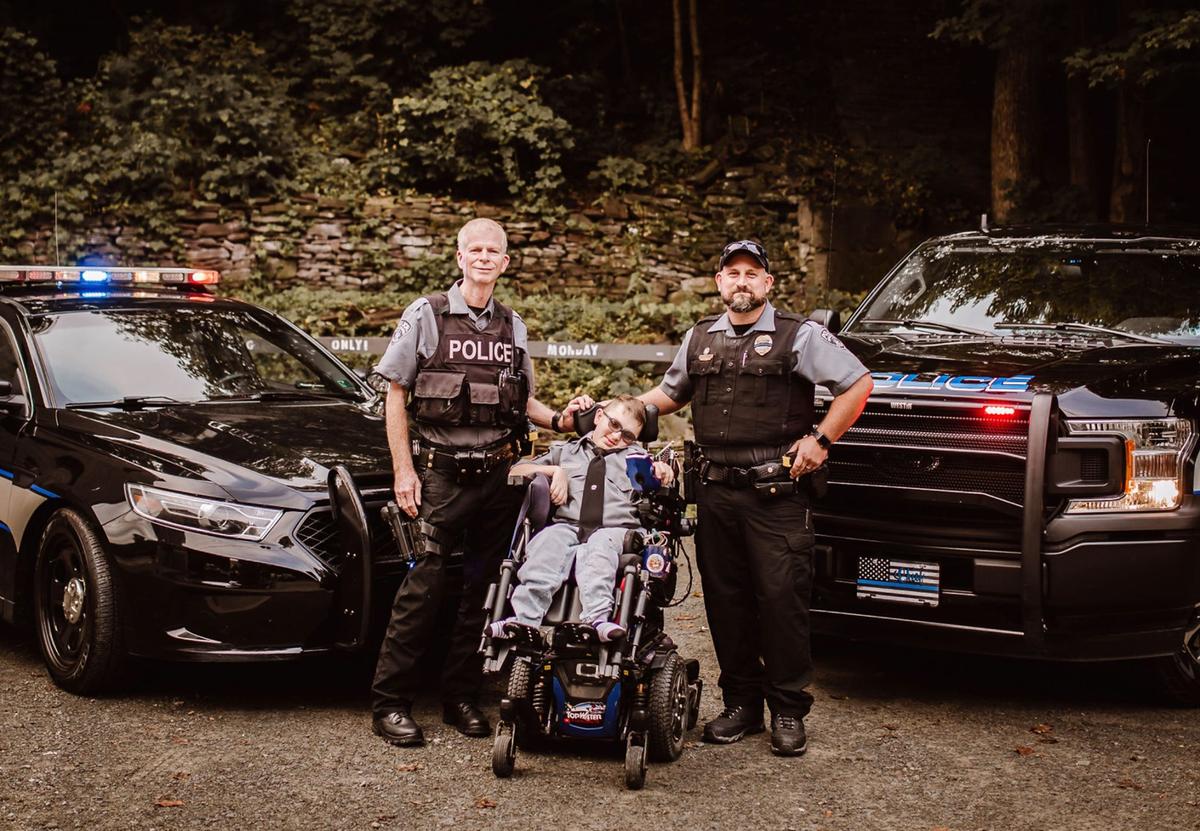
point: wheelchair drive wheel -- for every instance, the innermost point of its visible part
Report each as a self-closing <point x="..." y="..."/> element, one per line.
<point x="635" y="764"/>
<point x="504" y="749"/>
<point x="668" y="710"/>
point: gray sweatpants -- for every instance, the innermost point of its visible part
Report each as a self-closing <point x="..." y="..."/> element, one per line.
<point x="548" y="564"/>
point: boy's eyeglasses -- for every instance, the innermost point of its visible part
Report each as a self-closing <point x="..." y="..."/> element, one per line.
<point x="614" y="426"/>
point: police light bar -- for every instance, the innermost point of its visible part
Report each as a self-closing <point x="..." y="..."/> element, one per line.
<point x="96" y="276"/>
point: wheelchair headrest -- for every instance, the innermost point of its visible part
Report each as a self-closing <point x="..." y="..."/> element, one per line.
<point x="585" y="422"/>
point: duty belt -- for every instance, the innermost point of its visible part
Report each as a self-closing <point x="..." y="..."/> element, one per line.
<point x="741" y="477"/>
<point x="464" y="462"/>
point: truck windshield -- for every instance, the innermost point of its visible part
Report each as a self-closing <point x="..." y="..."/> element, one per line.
<point x="1151" y="294"/>
<point x="167" y="354"/>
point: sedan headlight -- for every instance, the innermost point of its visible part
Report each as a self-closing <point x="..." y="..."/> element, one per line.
<point x="1155" y="451"/>
<point x="196" y="513"/>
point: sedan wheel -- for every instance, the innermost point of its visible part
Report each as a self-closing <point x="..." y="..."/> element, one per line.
<point x="76" y="608"/>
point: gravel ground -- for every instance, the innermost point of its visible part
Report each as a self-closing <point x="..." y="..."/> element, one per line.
<point x="898" y="739"/>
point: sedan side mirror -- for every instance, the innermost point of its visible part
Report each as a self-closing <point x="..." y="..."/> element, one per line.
<point x="829" y="318"/>
<point x="9" y="402"/>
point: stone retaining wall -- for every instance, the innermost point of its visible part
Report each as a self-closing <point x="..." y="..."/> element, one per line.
<point x="664" y="244"/>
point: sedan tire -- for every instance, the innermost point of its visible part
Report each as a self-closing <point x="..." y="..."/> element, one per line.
<point x="76" y="607"/>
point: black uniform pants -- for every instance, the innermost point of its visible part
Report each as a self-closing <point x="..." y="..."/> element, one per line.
<point x="487" y="513"/>
<point x="756" y="565"/>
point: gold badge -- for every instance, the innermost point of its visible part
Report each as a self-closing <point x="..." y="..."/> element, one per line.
<point x="706" y="355"/>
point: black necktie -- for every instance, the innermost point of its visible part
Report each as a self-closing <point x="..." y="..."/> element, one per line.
<point x="591" y="508"/>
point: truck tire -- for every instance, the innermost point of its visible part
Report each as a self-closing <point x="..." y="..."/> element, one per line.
<point x="1179" y="674"/>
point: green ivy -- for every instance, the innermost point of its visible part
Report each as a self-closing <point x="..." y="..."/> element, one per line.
<point x="473" y="126"/>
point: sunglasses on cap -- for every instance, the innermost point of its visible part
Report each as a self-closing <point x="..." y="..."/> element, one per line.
<point x="614" y="426"/>
<point x="744" y="246"/>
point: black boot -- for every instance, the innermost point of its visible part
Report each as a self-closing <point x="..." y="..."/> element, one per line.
<point x="397" y="727"/>
<point x="466" y="717"/>
<point x="787" y="735"/>
<point x="734" y="723"/>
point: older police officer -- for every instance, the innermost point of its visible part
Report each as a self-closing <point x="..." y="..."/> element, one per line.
<point x="749" y="375"/>
<point x="463" y="356"/>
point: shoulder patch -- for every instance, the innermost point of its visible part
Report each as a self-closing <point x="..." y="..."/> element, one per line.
<point x="402" y="329"/>
<point x="829" y="337"/>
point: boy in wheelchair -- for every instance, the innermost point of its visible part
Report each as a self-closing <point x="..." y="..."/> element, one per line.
<point x="602" y="503"/>
<point x="574" y="537"/>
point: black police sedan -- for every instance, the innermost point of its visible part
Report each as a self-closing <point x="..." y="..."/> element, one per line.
<point x="165" y="456"/>
<point x="1024" y="479"/>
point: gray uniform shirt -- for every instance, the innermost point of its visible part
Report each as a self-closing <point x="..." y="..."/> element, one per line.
<point x="416" y="340"/>
<point x="574" y="457"/>
<point x="820" y="357"/>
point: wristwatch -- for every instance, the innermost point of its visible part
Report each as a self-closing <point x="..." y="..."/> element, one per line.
<point x="554" y="421"/>
<point x="821" y="438"/>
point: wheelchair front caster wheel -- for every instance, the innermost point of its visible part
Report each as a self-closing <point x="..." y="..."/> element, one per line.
<point x="504" y="750"/>
<point x="635" y="765"/>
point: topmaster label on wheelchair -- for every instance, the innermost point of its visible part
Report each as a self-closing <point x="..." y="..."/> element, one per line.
<point x="588" y="713"/>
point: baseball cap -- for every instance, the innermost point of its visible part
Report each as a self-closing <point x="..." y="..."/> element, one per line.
<point x="747" y="247"/>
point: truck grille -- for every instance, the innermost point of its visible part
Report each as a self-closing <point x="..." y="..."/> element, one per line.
<point x="943" y="453"/>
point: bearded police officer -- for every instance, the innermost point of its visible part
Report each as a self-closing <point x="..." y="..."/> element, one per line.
<point x="749" y="375"/>
<point x="463" y="356"/>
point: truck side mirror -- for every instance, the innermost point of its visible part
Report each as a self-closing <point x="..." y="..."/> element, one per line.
<point x="829" y="318"/>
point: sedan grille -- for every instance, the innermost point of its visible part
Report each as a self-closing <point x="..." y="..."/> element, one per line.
<point x="318" y="533"/>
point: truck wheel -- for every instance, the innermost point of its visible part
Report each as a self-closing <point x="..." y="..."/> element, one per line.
<point x="1179" y="674"/>
<point x="75" y="607"/>
<point x="668" y="710"/>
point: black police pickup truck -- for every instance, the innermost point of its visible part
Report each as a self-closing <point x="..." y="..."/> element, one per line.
<point x="1024" y="480"/>
<point x="165" y="461"/>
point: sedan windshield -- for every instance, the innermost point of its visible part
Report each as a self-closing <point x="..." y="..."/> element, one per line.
<point x="165" y="354"/>
<point x="1069" y="290"/>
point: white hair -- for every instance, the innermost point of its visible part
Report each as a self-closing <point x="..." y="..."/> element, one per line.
<point x="480" y="222"/>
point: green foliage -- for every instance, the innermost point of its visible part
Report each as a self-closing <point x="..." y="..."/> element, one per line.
<point x="1159" y="43"/>
<point x="32" y="99"/>
<point x="995" y="23"/>
<point x="619" y="173"/>
<point x="187" y="112"/>
<point x="821" y="168"/>
<point x="178" y="113"/>
<point x="473" y="126"/>
<point x="350" y="55"/>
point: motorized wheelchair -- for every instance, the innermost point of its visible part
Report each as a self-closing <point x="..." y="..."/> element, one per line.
<point x="568" y="685"/>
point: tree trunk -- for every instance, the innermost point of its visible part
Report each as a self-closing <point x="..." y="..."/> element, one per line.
<point x="626" y="62"/>
<point x="689" y="116"/>
<point x="1014" y="126"/>
<point x="1127" y="200"/>
<point x="1080" y="146"/>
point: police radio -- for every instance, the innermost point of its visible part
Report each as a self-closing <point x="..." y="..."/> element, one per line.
<point x="514" y="392"/>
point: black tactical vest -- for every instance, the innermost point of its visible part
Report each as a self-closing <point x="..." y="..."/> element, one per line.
<point x="744" y="390"/>
<point x="474" y="379"/>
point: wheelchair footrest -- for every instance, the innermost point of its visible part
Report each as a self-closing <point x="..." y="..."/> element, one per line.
<point x="575" y="636"/>
<point x="524" y="640"/>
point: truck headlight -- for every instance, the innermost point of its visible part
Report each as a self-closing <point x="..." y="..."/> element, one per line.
<point x="196" y="513"/>
<point x="1155" y="451"/>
